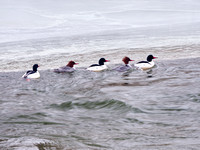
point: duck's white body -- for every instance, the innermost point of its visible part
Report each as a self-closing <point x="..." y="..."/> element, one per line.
<point x="97" y="68"/>
<point x="145" y="65"/>
<point x="34" y="75"/>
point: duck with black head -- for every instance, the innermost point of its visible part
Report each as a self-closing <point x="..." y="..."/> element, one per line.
<point x="125" y="67"/>
<point x="148" y="64"/>
<point x="98" y="67"/>
<point x="68" y="68"/>
<point x="32" y="74"/>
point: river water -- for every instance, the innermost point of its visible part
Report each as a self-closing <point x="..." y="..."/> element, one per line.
<point x="154" y="109"/>
<point x="158" y="109"/>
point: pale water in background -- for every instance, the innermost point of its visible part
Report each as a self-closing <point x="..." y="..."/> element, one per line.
<point x="52" y="32"/>
<point x="158" y="109"/>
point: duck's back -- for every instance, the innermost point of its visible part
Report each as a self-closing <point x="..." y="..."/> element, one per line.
<point x="64" y="69"/>
<point x="123" y="68"/>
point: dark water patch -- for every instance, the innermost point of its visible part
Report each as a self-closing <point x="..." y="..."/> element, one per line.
<point x="1" y="140"/>
<point x="39" y="90"/>
<point x="63" y="106"/>
<point x="127" y="84"/>
<point x="10" y="137"/>
<point x="24" y="117"/>
<point x="40" y="114"/>
<point x="134" y="82"/>
<point x="97" y="105"/>
<point x="172" y="109"/>
<point x="31" y="118"/>
<point x="162" y="79"/>
<point x="21" y="94"/>
<point x="161" y="124"/>
<point x="48" y="146"/>
<point x="195" y="98"/>
<point x="178" y="137"/>
<point x="33" y="122"/>
<point x="165" y="110"/>
<point x="94" y="145"/>
<point x="132" y="120"/>
<point x="120" y="139"/>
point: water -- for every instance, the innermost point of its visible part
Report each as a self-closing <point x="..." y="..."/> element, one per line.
<point x="155" y="109"/>
<point x="85" y="110"/>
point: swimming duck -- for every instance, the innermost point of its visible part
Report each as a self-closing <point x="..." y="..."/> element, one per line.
<point x="146" y="64"/>
<point x="99" y="67"/>
<point x="32" y="74"/>
<point x="67" y="68"/>
<point x="125" y="67"/>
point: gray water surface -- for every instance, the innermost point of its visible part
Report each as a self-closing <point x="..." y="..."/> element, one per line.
<point x="157" y="109"/>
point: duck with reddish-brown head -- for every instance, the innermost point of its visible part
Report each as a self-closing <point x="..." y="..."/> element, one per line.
<point x="68" y="68"/>
<point x="125" y="67"/>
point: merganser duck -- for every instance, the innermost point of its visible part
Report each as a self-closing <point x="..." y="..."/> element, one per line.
<point x="125" y="67"/>
<point x="32" y="74"/>
<point x="99" y="67"/>
<point x="67" y="68"/>
<point x="146" y="64"/>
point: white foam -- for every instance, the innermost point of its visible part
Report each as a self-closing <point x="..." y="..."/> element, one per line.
<point x="25" y="143"/>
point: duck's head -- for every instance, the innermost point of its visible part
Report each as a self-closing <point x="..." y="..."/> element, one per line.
<point x="102" y="60"/>
<point x="35" y="66"/>
<point x="126" y="60"/>
<point x="71" y="64"/>
<point x="150" y="58"/>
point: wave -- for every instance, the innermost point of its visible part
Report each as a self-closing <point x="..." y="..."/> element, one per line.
<point x="97" y="105"/>
<point x="28" y="143"/>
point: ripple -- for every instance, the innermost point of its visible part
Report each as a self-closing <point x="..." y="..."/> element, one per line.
<point x="97" y="105"/>
<point x="194" y="98"/>
<point x="33" y="122"/>
<point x="109" y="104"/>
<point x="104" y="108"/>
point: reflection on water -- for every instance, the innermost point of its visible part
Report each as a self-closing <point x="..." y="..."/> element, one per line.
<point x="156" y="109"/>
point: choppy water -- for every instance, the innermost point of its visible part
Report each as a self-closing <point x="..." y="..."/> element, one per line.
<point x="158" y="109"/>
